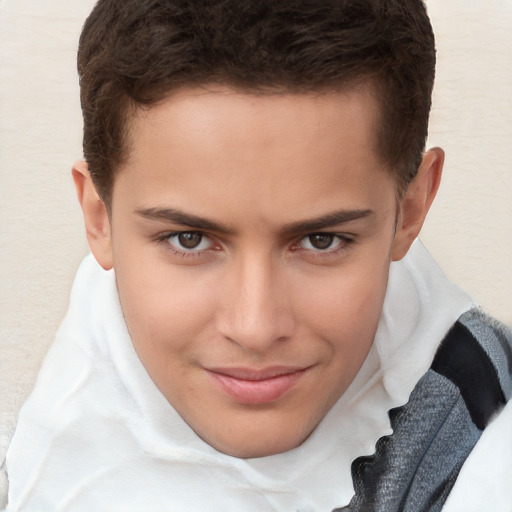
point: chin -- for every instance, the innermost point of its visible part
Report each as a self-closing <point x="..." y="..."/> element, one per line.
<point x="259" y="441"/>
<point x="255" y="451"/>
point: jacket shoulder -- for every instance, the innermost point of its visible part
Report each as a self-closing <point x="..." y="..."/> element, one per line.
<point x="469" y="382"/>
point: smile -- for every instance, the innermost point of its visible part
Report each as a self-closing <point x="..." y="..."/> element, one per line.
<point x="256" y="387"/>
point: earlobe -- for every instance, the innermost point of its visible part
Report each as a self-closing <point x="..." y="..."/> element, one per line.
<point x="417" y="201"/>
<point x="97" y="222"/>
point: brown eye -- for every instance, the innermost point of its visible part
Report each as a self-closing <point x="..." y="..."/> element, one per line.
<point x="190" y="240"/>
<point x="321" y="241"/>
<point x="324" y="242"/>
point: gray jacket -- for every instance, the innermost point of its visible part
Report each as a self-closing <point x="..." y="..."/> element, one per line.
<point x="469" y="382"/>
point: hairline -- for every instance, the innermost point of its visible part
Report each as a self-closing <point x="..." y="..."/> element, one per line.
<point x="367" y="84"/>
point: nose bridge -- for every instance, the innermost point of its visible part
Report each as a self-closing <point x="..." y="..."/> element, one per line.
<point x="256" y="312"/>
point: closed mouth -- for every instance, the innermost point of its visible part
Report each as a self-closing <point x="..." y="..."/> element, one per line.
<point x="257" y="386"/>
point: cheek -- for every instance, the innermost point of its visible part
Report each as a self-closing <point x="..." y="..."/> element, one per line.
<point x="345" y="311"/>
<point x="164" y="306"/>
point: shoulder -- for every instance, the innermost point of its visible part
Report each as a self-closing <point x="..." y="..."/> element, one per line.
<point x="467" y="386"/>
<point x="476" y="356"/>
<point x="484" y="480"/>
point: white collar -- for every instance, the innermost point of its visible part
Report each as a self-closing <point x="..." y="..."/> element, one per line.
<point x="419" y="308"/>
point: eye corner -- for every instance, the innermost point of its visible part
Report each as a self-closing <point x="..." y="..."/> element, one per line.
<point x="322" y="245"/>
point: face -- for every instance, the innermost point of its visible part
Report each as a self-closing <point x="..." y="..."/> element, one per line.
<point x="251" y="238"/>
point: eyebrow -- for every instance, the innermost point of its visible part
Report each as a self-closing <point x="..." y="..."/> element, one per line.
<point x="200" y="223"/>
<point x="185" y="219"/>
<point x="328" y="221"/>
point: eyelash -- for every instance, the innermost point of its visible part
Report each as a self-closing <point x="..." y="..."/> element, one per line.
<point x="183" y="253"/>
<point x="344" y="241"/>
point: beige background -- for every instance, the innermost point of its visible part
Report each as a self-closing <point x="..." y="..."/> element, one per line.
<point x="41" y="234"/>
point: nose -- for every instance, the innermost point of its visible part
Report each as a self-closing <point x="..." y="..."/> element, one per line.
<point x="255" y="309"/>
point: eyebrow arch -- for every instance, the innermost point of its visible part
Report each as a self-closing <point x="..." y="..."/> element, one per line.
<point x="185" y="219"/>
<point x="193" y="221"/>
<point x="327" y="221"/>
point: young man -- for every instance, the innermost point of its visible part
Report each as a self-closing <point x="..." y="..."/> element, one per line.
<point x="257" y="328"/>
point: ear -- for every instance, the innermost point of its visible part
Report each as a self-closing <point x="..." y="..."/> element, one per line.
<point x="97" y="222"/>
<point x="416" y="202"/>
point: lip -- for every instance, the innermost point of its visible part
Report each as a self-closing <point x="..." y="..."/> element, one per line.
<point x="256" y="386"/>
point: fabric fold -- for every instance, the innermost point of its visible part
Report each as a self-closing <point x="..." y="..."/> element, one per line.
<point x="97" y="429"/>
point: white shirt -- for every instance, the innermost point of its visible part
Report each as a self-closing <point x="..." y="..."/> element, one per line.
<point x="97" y="435"/>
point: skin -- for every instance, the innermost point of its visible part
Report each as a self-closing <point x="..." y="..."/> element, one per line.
<point x="291" y="220"/>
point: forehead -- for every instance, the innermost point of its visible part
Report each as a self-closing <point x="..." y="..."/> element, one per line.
<point x="209" y="116"/>
<point x="220" y="142"/>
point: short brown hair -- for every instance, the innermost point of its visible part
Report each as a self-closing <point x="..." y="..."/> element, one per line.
<point x="135" y="52"/>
